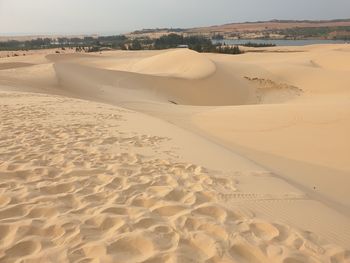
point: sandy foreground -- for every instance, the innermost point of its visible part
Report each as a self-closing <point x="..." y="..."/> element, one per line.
<point x="175" y="156"/>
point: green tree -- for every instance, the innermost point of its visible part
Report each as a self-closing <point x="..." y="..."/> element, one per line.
<point x="136" y="45"/>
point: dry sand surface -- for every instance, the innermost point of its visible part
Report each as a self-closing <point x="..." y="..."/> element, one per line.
<point x="175" y="156"/>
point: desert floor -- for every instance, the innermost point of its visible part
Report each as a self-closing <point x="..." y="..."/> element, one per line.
<point x="176" y="156"/>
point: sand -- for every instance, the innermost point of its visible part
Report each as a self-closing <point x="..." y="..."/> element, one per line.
<point x="175" y="156"/>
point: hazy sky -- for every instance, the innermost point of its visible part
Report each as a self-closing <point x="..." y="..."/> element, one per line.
<point x="115" y="16"/>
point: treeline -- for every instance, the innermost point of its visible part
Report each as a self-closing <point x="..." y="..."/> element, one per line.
<point x="96" y="44"/>
<point x="252" y="44"/>
<point x="39" y="43"/>
<point x="232" y="50"/>
<point x="86" y="43"/>
<point x="197" y="43"/>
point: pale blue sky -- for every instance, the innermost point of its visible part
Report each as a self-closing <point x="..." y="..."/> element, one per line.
<point x="115" y="16"/>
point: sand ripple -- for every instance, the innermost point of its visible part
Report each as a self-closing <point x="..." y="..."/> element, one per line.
<point x="76" y="187"/>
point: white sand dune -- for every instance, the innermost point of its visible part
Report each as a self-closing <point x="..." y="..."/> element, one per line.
<point x="189" y="65"/>
<point x="154" y="87"/>
<point x="98" y="164"/>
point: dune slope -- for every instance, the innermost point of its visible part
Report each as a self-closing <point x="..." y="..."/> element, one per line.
<point x="80" y="182"/>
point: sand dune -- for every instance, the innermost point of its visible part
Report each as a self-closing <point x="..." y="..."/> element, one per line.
<point x="78" y="185"/>
<point x="311" y="129"/>
<point x="190" y="65"/>
<point x="251" y="165"/>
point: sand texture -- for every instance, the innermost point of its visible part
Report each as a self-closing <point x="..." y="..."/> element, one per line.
<point x="175" y="156"/>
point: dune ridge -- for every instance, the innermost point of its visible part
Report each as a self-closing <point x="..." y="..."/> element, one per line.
<point x="190" y="65"/>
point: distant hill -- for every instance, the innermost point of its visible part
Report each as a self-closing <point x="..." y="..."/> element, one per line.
<point x="272" y="25"/>
<point x="274" y="29"/>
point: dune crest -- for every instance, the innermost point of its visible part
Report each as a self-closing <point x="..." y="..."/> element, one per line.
<point x="179" y="63"/>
